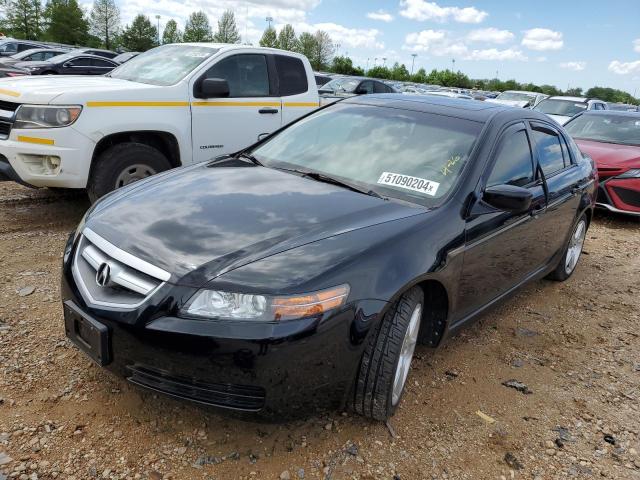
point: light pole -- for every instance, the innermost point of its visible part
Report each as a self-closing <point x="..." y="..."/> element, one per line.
<point x="269" y="20"/>
<point x="337" y="45"/>
<point x="384" y="61"/>
<point x="453" y="64"/>
<point x="375" y="60"/>
<point x="414" y="55"/>
<point x="367" y="67"/>
<point x="158" y="19"/>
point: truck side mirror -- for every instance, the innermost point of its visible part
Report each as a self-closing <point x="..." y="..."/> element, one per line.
<point x="212" y="88"/>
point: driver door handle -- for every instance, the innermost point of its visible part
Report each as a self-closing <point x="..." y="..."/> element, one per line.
<point x="268" y="110"/>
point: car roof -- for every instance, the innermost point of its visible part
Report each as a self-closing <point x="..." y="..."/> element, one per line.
<point x="523" y="91"/>
<point x="82" y="54"/>
<point x="612" y="113"/>
<point x="574" y="99"/>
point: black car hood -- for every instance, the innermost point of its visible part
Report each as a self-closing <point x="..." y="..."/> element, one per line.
<point x="200" y="222"/>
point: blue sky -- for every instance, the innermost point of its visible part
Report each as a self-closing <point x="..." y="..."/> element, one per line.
<point x="561" y="42"/>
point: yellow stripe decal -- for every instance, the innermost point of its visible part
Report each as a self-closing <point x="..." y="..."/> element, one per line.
<point x="39" y="141"/>
<point x="137" y="104"/>
<point x="301" y="104"/>
<point x="11" y="93"/>
<point x="235" y="104"/>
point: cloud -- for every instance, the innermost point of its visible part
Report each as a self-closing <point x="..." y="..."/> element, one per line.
<point x="542" y="39"/>
<point x="346" y="37"/>
<point x="636" y="45"/>
<point x="380" y="15"/>
<point x="575" y="66"/>
<point x="495" y="54"/>
<point x="490" y="35"/>
<point x="624" y="68"/>
<point x="421" y="10"/>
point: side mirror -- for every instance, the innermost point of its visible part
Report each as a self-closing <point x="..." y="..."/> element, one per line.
<point x="213" y="88"/>
<point x="508" y="198"/>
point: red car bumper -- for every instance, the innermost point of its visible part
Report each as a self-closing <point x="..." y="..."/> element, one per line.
<point x="620" y="195"/>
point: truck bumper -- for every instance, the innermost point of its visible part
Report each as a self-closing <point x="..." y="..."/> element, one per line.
<point x="44" y="158"/>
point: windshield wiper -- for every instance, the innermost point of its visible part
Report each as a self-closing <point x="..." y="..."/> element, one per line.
<point x="321" y="177"/>
<point x="249" y="157"/>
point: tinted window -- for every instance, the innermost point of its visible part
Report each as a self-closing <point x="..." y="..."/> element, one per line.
<point x="379" y="87"/>
<point x="80" y="62"/>
<point x="292" y="76"/>
<point x="48" y="55"/>
<point x="101" y="53"/>
<point x="549" y="151"/>
<point x="10" y="47"/>
<point x="365" y="87"/>
<point x="25" y="46"/>
<point x="394" y="152"/>
<point x="101" y="63"/>
<point x="246" y="74"/>
<point x="514" y="165"/>
<point x="565" y="152"/>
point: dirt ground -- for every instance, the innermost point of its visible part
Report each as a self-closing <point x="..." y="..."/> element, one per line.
<point x="576" y="347"/>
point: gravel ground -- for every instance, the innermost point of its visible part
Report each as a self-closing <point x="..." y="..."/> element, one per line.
<point x="574" y="347"/>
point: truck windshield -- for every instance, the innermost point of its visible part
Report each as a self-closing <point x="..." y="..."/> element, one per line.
<point x="165" y="65"/>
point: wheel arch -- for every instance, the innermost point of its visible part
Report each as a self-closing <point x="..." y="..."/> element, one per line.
<point x="435" y="312"/>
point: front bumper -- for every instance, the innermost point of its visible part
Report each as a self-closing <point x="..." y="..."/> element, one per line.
<point x="620" y="195"/>
<point x="277" y="370"/>
<point x="28" y="152"/>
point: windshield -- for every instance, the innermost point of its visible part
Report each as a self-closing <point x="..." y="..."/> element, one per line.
<point x="622" y="129"/>
<point x="565" y="108"/>
<point x="518" y="97"/>
<point x="412" y="156"/>
<point x="341" y="84"/>
<point x="163" y="66"/>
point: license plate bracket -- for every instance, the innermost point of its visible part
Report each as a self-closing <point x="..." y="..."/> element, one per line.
<point x="91" y="336"/>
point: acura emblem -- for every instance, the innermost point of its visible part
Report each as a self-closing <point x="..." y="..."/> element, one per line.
<point x="103" y="274"/>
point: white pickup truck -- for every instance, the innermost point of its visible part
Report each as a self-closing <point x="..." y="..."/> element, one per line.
<point x="174" y="105"/>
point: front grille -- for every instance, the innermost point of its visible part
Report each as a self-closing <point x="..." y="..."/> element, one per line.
<point x="237" y="397"/>
<point x="110" y="277"/>
<point x="630" y="197"/>
<point x="8" y="106"/>
<point x="5" y="129"/>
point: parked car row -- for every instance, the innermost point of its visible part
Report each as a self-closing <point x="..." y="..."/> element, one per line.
<point x="332" y="236"/>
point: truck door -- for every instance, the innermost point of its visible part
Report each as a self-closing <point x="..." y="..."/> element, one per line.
<point x="252" y="109"/>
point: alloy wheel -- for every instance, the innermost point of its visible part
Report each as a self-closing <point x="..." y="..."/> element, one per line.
<point x="406" y="354"/>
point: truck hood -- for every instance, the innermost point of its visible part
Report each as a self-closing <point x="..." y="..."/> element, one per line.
<point x="200" y="222"/>
<point x="75" y="88"/>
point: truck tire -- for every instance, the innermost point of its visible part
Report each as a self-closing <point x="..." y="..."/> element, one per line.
<point x="385" y="363"/>
<point x="567" y="264"/>
<point x="123" y="164"/>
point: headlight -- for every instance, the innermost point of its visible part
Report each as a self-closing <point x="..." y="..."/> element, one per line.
<point x="216" y="304"/>
<point x="44" y="116"/>
<point x="633" y="173"/>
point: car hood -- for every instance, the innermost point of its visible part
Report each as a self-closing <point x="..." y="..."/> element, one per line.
<point x="215" y="219"/>
<point x="611" y="155"/>
<point x="75" y="88"/>
<point x="561" y="119"/>
<point x="511" y="103"/>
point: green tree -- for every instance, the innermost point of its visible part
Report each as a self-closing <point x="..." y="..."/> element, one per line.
<point x="574" y="92"/>
<point x="140" y="36"/>
<point x="24" y="19"/>
<point x="66" y="22"/>
<point x="269" y="38"/>
<point x="420" y="76"/>
<point x="611" y="95"/>
<point x="287" y="39"/>
<point x="197" y="28"/>
<point x="104" y="20"/>
<point x="324" y="51"/>
<point x="171" y="33"/>
<point x="379" y="71"/>
<point x="227" y="30"/>
<point x="344" y="66"/>
<point x="307" y="45"/>
<point x="399" y="72"/>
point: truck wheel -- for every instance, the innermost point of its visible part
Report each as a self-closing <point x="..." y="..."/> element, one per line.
<point x="572" y="251"/>
<point x="122" y="165"/>
<point x="385" y="363"/>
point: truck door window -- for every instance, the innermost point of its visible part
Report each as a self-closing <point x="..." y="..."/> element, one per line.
<point x="246" y="75"/>
<point x="292" y="76"/>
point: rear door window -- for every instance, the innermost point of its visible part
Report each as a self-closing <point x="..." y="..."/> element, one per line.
<point x="548" y="149"/>
<point x="80" y="62"/>
<point x="365" y="87"/>
<point x="292" y="76"/>
<point x="514" y="162"/>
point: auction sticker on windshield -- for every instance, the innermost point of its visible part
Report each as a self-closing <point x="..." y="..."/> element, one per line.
<point x="408" y="182"/>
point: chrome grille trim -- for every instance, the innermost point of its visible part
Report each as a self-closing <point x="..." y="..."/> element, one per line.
<point x="128" y="287"/>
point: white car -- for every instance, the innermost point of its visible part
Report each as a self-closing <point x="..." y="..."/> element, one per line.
<point x="518" y="98"/>
<point x="563" y="109"/>
<point x="174" y="105"/>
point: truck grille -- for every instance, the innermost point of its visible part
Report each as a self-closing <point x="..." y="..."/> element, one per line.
<point x="8" y="106"/>
<point x="111" y="277"/>
<point x="5" y="129"/>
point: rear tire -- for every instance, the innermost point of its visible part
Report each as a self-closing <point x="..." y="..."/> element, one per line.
<point x="569" y="261"/>
<point x="385" y="363"/>
<point x="122" y="165"/>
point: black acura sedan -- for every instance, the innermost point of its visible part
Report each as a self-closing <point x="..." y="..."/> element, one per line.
<point x="303" y="271"/>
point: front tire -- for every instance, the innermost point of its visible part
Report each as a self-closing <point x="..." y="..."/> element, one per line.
<point x="567" y="264"/>
<point x="386" y="360"/>
<point x="123" y="164"/>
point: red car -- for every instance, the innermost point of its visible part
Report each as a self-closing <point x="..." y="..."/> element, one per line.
<point x="612" y="139"/>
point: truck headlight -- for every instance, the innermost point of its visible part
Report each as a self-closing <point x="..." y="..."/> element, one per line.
<point x="45" y="116"/>
<point x="633" y="173"/>
<point x="214" y="304"/>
